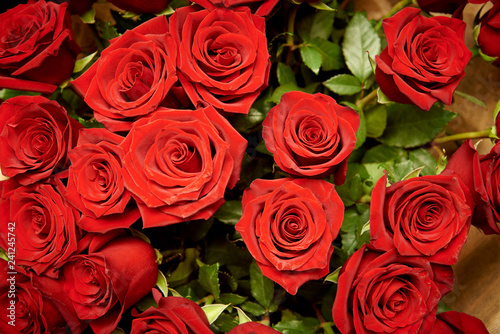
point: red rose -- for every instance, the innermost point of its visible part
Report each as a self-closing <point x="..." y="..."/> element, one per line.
<point x="173" y="315"/>
<point x="35" y="135"/>
<point x="259" y="7"/>
<point x="458" y="323"/>
<point x="288" y="226"/>
<point x="42" y="224"/>
<point x="388" y="293"/>
<point x="481" y="174"/>
<point x="111" y="278"/>
<point x="427" y="216"/>
<point x="311" y="135"/>
<point x="95" y="182"/>
<point x="133" y="76"/>
<point x="37" y="49"/>
<point x="489" y="32"/>
<point x="141" y="6"/>
<point x="178" y="164"/>
<point x="223" y="58"/>
<point x="252" y="328"/>
<point x="424" y="59"/>
<point x="28" y="308"/>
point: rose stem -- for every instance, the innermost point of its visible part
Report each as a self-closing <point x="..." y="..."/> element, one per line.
<point x="397" y="7"/>
<point x="290" y="29"/>
<point x="324" y="324"/>
<point x="367" y="99"/>
<point x="464" y="136"/>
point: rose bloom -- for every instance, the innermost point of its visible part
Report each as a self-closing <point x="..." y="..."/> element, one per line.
<point x="133" y="77"/>
<point x="35" y="311"/>
<point x="252" y="328"/>
<point x="223" y="59"/>
<point x="114" y="275"/>
<point x="427" y="216"/>
<point x="389" y="293"/>
<point x="489" y="32"/>
<point x="37" y="49"/>
<point x="178" y="164"/>
<point x="288" y="226"/>
<point x="259" y="7"/>
<point x="452" y="322"/>
<point x="424" y="59"/>
<point x="311" y="135"/>
<point x="46" y="233"/>
<point x="174" y="315"/>
<point x="35" y="135"/>
<point x="95" y="182"/>
<point x="481" y="174"/>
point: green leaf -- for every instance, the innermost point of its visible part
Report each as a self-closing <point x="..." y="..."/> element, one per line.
<point x="88" y="17"/>
<point x="109" y="32"/>
<point x="421" y="157"/>
<point x="360" y="38"/>
<point x="285" y="74"/>
<point x="333" y="276"/>
<point x="311" y="57"/>
<point x="118" y="330"/>
<point x="317" y="25"/>
<point x="343" y="84"/>
<point x="471" y="99"/>
<point x="398" y="170"/>
<point x="413" y="173"/>
<point x="224" y="323"/>
<point x="229" y="213"/>
<point x="319" y="5"/>
<point x="161" y="283"/>
<point x="209" y="279"/>
<point x="352" y="238"/>
<point x="331" y="54"/>
<point x="231" y="298"/>
<point x="279" y="91"/>
<point x="253" y="308"/>
<point x="382" y="98"/>
<point x="408" y="126"/>
<point x="213" y="311"/>
<point x="262" y="288"/>
<point x="8" y="93"/>
<point x="383" y="153"/>
<point x="242" y="317"/>
<point x="181" y="274"/>
<point x="140" y="235"/>
<point x="376" y="120"/>
<point x="82" y="62"/>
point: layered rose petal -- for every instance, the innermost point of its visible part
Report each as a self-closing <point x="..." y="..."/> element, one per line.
<point x="179" y="163"/>
<point x="311" y="135"/>
<point x="223" y="56"/>
<point x="453" y="322"/>
<point x="424" y="60"/>
<point x="388" y="293"/>
<point x="288" y="226"/>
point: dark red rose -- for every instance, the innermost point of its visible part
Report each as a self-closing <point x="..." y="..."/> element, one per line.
<point x="427" y="216"/>
<point x="311" y="135"/>
<point x="389" y="293"/>
<point x="28" y="308"/>
<point x="133" y="77"/>
<point x="174" y="315"/>
<point x="481" y="174"/>
<point x="178" y="164"/>
<point x="223" y="58"/>
<point x="37" y="49"/>
<point x="112" y="277"/>
<point x="141" y="6"/>
<point x="42" y="223"/>
<point x="489" y="32"/>
<point x="35" y="135"/>
<point x="95" y="182"/>
<point x="252" y="328"/>
<point x="288" y="226"/>
<point x="454" y="7"/>
<point x="424" y="59"/>
<point x="458" y="323"/>
<point x="259" y="7"/>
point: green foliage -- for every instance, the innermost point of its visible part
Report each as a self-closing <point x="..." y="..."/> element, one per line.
<point x="262" y="288"/>
<point x="343" y="84"/>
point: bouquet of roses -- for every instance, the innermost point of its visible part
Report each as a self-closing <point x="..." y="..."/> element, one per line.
<point x="238" y="166"/>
